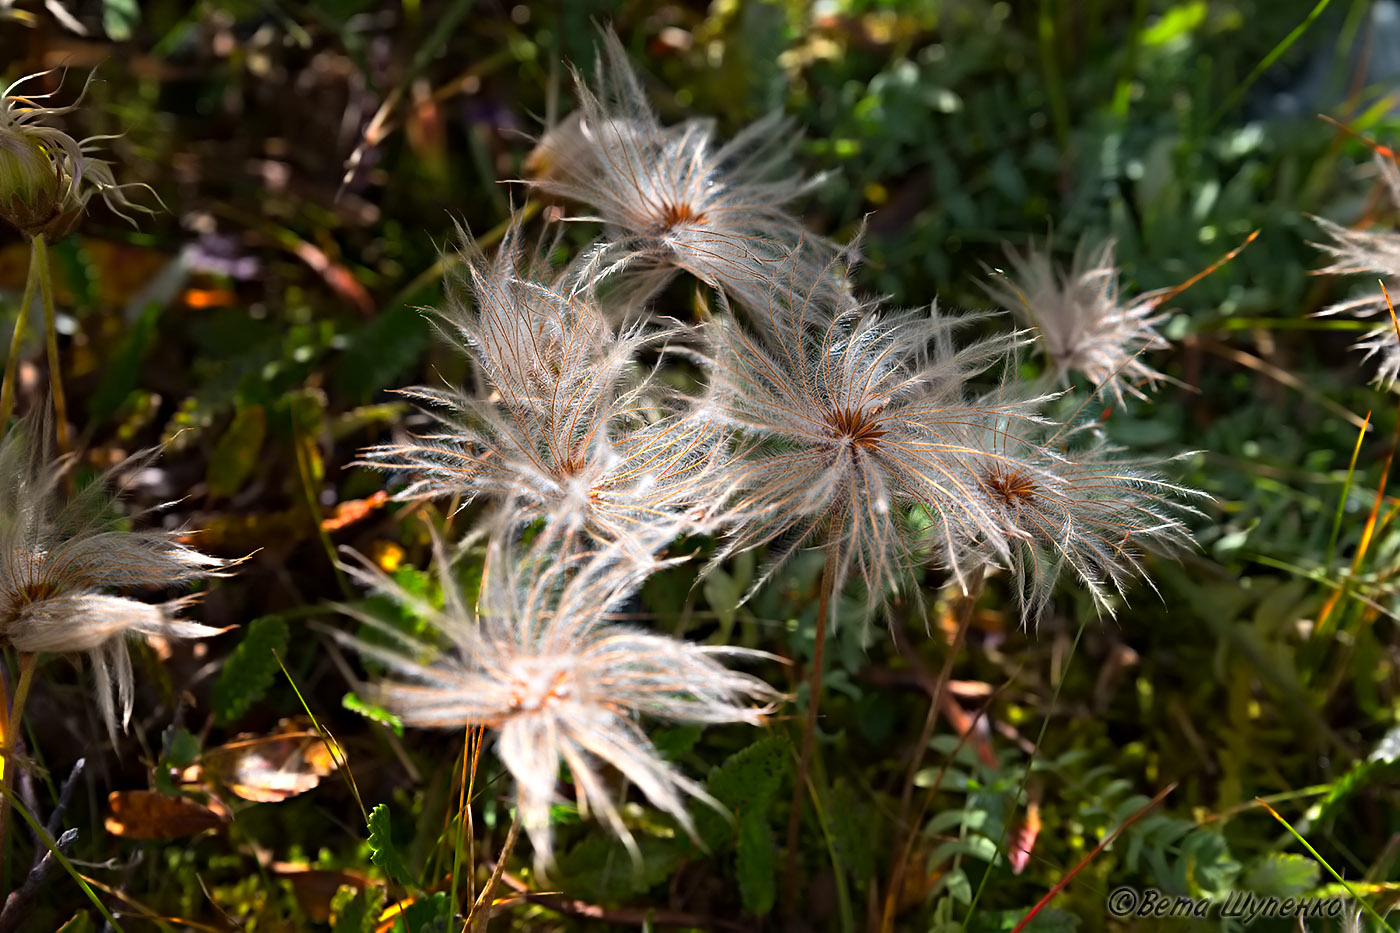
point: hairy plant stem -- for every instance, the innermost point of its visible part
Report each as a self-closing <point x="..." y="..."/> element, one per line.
<point x="963" y="612"/>
<point x="39" y="256"/>
<point x="8" y="765"/>
<point x="7" y="391"/>
<point x="809" y="727"/>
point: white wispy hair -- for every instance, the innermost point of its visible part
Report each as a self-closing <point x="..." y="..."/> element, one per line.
<point x="853" y="418"/>
<point x="562" y="426"/>
<point x="1067" y="501"/>
<point x="60" y="558"/>
<point x="72" y="164"/>
<point x="1085" y="324"/>
<point x="540" y="663"/>
<point x="675" y="197"/>
<point x="1376" y="253"/>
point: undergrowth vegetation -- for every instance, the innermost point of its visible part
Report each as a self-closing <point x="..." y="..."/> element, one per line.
<point x="851" y="466"/>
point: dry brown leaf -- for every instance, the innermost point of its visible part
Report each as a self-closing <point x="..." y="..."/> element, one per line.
<point x="145" y="814"/>
<point x="269" y="768"/>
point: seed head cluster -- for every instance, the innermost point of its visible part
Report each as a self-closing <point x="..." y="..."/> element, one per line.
<point x="598" y="434"/>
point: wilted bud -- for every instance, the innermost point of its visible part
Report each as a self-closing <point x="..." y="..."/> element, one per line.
<point x="31" y="186"/>
<point x="46" y="176"/>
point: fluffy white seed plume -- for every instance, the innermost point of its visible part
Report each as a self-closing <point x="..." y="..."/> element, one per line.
<point x="1067" y="501"/>
<point x="675" y="197"/>
<point x="1376" y="254"/>
<point x="562" y="426"/>
<point x="540" y="664"/>
<point x="1086" y="325"/>
<point x="61" y="558"/>
<point x="854" y="418"/>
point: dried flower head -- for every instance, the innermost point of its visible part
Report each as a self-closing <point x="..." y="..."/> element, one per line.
<point x="562" y="426"/>
<point x="673" y="197"/>
<point x="46" y="176"/>
<point x="541" y="665"/>
<point x="1376" y="253"/>
<point x="1084" y="323"/>
<point x="1066" y="501"/>
<point x="61" y="558"/>
<point x="855" y="421"/>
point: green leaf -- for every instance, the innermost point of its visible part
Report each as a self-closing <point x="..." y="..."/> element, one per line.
<point x="430" y="915"/>
<point x="755" y="863"/>
<point x="1281" y="874"/>
<point x="356" y="704"/>
<point x="120" y="18"/>
<point x="250" y="670"/>
<point x="237" y="451"/>
<point x="182" y="748"/>
<point x="744" y="783"/>
<point x="356" y="911"/>
<point x="599" y="868"/>
<point x="381" y="847"/>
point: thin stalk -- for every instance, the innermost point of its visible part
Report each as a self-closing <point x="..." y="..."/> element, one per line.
<point x="7" y="392"/>
<point x="483" y="901"/>
<point x="963" y="611"/>
<point x="27" y="663"/>
<point x="809" y="728"/>
<point x="39" y="256"/>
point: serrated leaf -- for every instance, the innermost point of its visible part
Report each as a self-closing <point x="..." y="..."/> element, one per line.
<point x="356" y="910"/>
<point x="746" y="781"/>
<point x="237" y="451"/>
<point x="356" y="704"/>
<point x="250" y="670"/>
<point x="754" y="863"/>
<point x="381" y="847"/>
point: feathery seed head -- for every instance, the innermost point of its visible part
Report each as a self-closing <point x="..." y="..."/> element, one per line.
<point x="1067" y="503"/>
<point x="854" y="419"/>
<point x="60" y="557"/>
<point x="1376" y="253"/>
<point x="673" y="197"/>
<point x="563" y="427"/>
<point x="559" y="683"/>
<point x="1085" y="324"/>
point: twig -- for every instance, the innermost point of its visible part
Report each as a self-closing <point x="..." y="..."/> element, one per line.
<point x="65" y="796"/>
<point x="478" y="921"/>
<point x="20" y="903"/>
